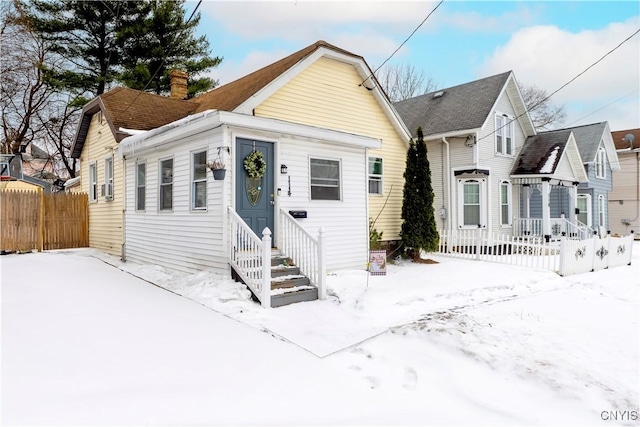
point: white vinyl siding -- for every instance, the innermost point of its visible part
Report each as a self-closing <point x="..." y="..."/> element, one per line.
<point x="105" y="219"/>
<point x="199" y="180"/>
<point x="325" y="179"/>
<point x="141" y="186"/>
<point x="165" y="196"/>
<point x="93" y="182"/>
<point x="375" y="175"/>
<point x="328" y="94"/>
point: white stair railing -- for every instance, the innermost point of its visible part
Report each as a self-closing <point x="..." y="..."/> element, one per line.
<point x="250" y="257"/>
<point x="306" y="251"/>
<point x="528" y="226"/>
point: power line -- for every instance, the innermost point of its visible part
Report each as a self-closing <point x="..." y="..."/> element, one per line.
<point x="163" y="61"/>
<point x="563" y="86"/>
<point x="602" y="108"/>
<point x="403" y="43"/>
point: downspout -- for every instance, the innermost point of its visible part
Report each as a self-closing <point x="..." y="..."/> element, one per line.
<point x="448" y="193"/>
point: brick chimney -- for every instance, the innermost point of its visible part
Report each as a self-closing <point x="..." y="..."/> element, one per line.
<point x="178" y="84"/>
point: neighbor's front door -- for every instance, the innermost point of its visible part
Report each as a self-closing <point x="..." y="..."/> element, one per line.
<point x="255" y="196"/>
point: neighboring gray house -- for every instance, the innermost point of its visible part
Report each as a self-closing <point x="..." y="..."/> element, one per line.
<point x="598" y="153"/>
<point x="476" y="134"/>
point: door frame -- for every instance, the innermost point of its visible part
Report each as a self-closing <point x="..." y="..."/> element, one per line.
<point x="236" y="177"/>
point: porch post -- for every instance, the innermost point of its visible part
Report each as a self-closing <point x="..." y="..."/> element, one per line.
<point x="322" y="269"/>
<point x="266" y="268"/>
<point x="546" y="208"/>
<point x="572" y="204"/>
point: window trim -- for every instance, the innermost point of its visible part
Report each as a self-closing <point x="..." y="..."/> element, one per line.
<point x="194" y="181"/>
<point x="601" y="211"/>
<point x="375" y="177"/>
<point x="138" y="186"/>
<point x="108" y="178"/>
<point x="509" y="223"/>
<point x="505" y="130"/>
<point x="588" y="207"/>
<point x="482" y="191"/>
<point x="601" y="170"/>
<point x="161" y="184"/>
<point x="93" y="182"/>
<point x="340" y="182"/>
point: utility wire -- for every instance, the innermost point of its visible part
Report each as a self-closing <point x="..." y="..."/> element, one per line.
<point x="161" y="62"/>
<point x="563" y="86"/>
<point x="602" y="108"/>
<point x="403" y="43"/>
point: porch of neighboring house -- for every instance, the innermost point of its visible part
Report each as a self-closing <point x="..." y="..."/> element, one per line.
<point x="548" y="209"/>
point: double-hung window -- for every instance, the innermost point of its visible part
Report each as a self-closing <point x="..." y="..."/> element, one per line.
<point x="375" y="175"/>
<point x="108" y="178"/>
<point x="471" y="202"/>
<point x="601" y="218"/>
<point x="93" y="182"/>
<point x="504" y="135"/>
<point x="601" y="158"/>
<point x="166" y="185"/>
<point x="141" y="186"/>
<point x="325" y="179"/>
<point x="505" y="203"/>
<point x="199" y="180"/>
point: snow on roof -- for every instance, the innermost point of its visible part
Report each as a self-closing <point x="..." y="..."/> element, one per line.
<point x="551" y="161"/>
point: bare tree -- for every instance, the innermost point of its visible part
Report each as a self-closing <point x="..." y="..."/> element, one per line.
<point x="543" y="113"/>
<point x="404" y="81"/>
<point x="23" y="87"/>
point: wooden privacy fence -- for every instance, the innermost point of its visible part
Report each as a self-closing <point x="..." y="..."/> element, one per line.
<point x="566" y="257"/>
<point x="31" y="220"/>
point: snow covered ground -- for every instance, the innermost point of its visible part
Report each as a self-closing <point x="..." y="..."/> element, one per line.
<point x="88" y="340"/>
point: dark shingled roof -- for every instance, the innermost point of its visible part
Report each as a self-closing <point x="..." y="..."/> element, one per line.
<point x="621" y="144"/>
<point x="134" y="109"/>
<point x="461" y="107"/>
<point x="537" y="149"/>
<point x="588" y="139"/>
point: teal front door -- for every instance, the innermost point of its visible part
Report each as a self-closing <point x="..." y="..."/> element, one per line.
<point x="255" y="195"/>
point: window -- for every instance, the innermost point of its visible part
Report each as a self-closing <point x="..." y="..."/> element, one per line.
<point x="601" y="222"/>
<point x="504" y="135"/>
<point x="583" y="204"/>
<point x="108" y="178"/>
<point x="505" y="203"/>
<point x="325" y="179"/>
<point x="93" y="182"/>
<point x="375" y="175"/>
<point x="199" y="180"/>
<point x="166" y="185"/>
<point x="601" y="158"/>
<point x="141" y="186"/>
<point x="4" y="169"/>
<point x="471" y="203"/>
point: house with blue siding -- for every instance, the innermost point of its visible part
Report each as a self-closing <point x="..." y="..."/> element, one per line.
<point x="598" y="153"/>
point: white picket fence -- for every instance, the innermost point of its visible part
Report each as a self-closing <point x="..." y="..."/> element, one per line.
<point x="565" y="257"/>
<point x="580" y="256"/>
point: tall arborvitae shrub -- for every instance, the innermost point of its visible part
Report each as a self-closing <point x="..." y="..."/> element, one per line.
<point x="419" y="232"/>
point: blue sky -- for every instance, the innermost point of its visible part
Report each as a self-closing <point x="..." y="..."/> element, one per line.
<point x="546" y="44"/>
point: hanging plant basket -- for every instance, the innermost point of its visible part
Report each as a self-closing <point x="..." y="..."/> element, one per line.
<point x="218" y="169"/>
<point x="255" y="165"/>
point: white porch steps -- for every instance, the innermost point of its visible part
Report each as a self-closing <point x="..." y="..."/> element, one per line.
<point x="288" y="285"/>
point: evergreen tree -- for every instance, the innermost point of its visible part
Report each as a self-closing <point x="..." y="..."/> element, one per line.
<point x="164" y="40"/>
<point x="418" y="232"/>
<point x="135" y="42"/>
